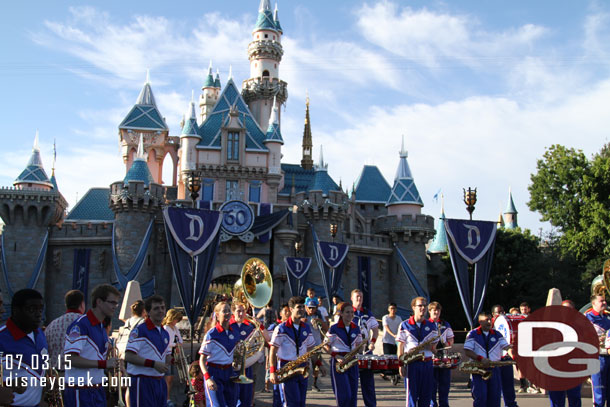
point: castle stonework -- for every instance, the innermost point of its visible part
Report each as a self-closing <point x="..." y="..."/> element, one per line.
<point x="232" y="139"/>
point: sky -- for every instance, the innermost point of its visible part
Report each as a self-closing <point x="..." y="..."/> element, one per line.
<point x="478" y="89"/>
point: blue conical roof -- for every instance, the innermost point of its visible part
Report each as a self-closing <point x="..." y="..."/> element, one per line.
<point x="209" y="79"/>
<point x="510" y="206"/>
<point x="54" y="181"/>
<point x="404" y="190"/>
<point x="273" y="131"/>
<point x="139" y="172"/>
<point x="276" y="20"/>
<point x="371" y="186"/>
<point x="34" y="172"/>
<point x="190" y="127"/>
<point x="439" y="244"/>
<point x="217" y="80"/>
<point x="144" y="115"/>
<point x="265" y="19"/>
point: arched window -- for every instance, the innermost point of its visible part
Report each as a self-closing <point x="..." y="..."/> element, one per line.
<point x="265" y="73"/>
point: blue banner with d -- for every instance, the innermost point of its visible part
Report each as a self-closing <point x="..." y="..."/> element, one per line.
<point x="193" y="240"/>
<point x="297" y="269"/>
<point x="471" y="243"/>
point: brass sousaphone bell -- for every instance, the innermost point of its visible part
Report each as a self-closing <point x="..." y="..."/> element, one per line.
<point x="601" y="284"/>
<point x="254" y="287"/>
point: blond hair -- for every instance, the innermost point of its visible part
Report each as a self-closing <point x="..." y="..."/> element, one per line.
<point x="171" y="316"/>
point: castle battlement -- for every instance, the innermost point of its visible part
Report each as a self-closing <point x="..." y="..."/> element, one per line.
<point x="41" y="206"/>
<point x="135" y="196"/>
<point x="391" y="223"/>
<point x="257" y="88"/>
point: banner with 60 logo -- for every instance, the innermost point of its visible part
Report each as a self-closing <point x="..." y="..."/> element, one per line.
<point x="237" y="217"/>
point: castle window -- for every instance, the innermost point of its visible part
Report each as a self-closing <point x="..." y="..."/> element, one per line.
<point x="266" y="35"/>
<point x="207" y="193"/>
<point x="254" y="194"/>
<point x="233" y="146"/>
<point x="274" y="38"/>
<point x="232" y="190"/>
<point x="265" y="73"/>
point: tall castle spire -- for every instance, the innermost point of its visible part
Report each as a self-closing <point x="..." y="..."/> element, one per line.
<point x="510" y="213"/>
<point x="307" y="159"/>
<point x="265" y="54"/>
<point x="34" y="175"/>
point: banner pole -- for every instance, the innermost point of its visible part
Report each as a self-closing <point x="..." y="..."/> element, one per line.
<point x="194" y="319"/>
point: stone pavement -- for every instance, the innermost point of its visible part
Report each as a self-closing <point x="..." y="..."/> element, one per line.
<point x="389" y="395"/>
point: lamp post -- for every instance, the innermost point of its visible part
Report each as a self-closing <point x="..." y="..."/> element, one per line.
<point x="333" y="230"/>
<point x="193" y="183"/>
<point x="298" y="245"/>
<point x="470" y="199"/>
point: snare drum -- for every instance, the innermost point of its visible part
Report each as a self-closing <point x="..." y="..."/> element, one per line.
<point x="378" y="363"/>
<point x="447" y="361"/>
<point x="507" y="325"/>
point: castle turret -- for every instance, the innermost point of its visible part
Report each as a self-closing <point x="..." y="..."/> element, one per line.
<point x="28" y="209"/>
<point x="439" y="243"/>
<point x="145" y="119"/>
<point x="404" y="198"/>
<point x="209" y="95"/>
<point x="265" y="53"/>
<point x="34" y="175"/>
<point x="510" y="213"/>
<point x="307" y="158"/>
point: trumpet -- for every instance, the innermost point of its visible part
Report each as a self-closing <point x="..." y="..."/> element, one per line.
<point x="182" y="365"/>
<point x="116" y="372"/>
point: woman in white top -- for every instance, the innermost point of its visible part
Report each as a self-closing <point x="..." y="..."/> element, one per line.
<point x="172" y="317"/>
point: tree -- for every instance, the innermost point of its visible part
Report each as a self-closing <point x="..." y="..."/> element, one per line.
<point x="573" y="194"/>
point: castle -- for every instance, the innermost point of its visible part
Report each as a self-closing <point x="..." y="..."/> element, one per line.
<point x="231" y="139"/>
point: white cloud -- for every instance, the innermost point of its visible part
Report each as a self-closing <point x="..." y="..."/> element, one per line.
<point x="428" y="37"/>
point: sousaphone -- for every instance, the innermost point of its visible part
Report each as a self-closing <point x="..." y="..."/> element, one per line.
<point x="254" y="287"/>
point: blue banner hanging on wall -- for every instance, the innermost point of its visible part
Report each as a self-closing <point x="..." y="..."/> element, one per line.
<point x="193" y="241"/>
<point x="364" y="280"/>
<point x="330" y="257"/>
<point x="80" y="271"/>
<point x="297" y="269"/>
<point x="471" y="242"/>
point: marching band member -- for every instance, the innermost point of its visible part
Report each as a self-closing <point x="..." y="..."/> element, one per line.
<point x="290" y="340"/>
<point x="343" y="337"/>
<point x="601" y="322"/>
<point x="56" y="330"/>
<point x="369" y="327"/>
<point x="284" y="315"/>
<point x="148" y="356"/>
<point x="217" y="358"/>
<point x="507" y="376"/>
<point x="22" y="342"/>
<point x="558" y="397"/>
<point x="244" y="329"/>
<point x="172" y="317"/>
<point x="412" y="333"/>
<point x="442" y="375"/>
<point x="86" y="345"/>
<point x="485" y="345"/>
<point x="318" y="326"/>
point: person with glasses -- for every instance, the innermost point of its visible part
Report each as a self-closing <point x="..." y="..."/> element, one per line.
<point x="148" y="355"/>
<point x="23" y="349"/>
<point x="86" y="347"/>
<point x="413" y="332"/>
<point x="369" y="327"/>
<point x="442" y="375"/>
<point x="486" y="345"/>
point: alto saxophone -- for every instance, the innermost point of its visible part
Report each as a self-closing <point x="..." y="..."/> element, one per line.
<point x="414" y="354"/>
<point x="53" y="396"/>
<point x="292" y="368"/>
<point x="349" y="359"/>
<point x="483" y="369"/>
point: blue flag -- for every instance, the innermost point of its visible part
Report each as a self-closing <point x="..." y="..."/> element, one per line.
<point x="297" y="269"/>
<point x="471" y="242"/>
<point x="193" y="241"/>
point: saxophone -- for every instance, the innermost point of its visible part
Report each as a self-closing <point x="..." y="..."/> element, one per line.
<point x="414" y="354"/>
<point x="292" y="368"/>
<point x="483" y="369"/>
<point x="349" y="359"/>
<point x="53" y="395"/>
